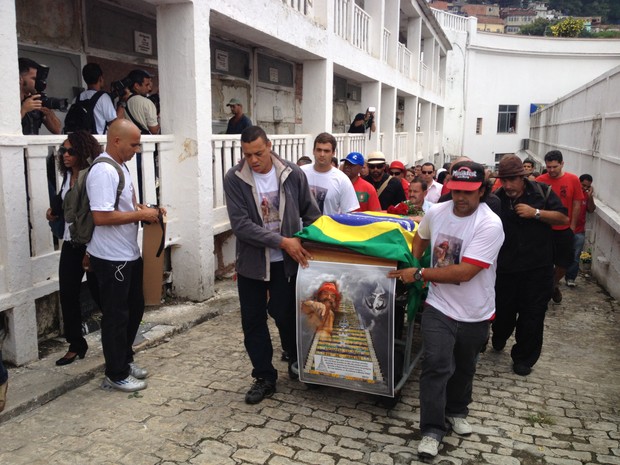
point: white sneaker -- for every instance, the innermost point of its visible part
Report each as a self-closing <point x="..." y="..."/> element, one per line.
<point x="129" y="384"/>
<point x="428" y="447"/>
<point x="571" y="283"/>
<point x="137" y="372"/>
<point x="460" y="425"/>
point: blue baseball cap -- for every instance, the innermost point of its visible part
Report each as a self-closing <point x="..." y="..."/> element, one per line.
<point x="355" y="158"/>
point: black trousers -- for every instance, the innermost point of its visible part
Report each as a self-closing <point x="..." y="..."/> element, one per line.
<point x="122" y="308"/>
<point x="521" y="300"/>
<point x="70" y="274"/>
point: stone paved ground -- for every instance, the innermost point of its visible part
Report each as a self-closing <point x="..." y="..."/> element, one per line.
<point x="566" y="412"/>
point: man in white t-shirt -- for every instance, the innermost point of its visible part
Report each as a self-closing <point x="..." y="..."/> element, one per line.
<point x="433" y="190"/>
<point x="115" y="257"/>
<point x="104" y="111"/>
<point x="331" y="188"/>
<point x="465" y="238"/>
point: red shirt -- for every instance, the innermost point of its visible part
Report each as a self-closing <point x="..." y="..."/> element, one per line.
<point x="568" y="189"/>
<point x="366" y="196"/>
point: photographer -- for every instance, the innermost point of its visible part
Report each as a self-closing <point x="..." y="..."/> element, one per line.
<point x="138" y="108"/>
<point x="362" y="122"/>
<point x="34" y="110"/>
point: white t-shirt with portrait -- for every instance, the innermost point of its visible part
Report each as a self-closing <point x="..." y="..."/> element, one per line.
<point x="333" y="190"/>
<point x="474" y="239"/>
<point x="269" y="195"/>
<point x="119" y="242"/>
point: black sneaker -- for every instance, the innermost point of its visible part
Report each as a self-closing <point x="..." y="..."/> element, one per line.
<point x="521" y="370"/>
<point x="557" y="295"/>
<point x="498" y="346"/>
<point x="259" y="390"/>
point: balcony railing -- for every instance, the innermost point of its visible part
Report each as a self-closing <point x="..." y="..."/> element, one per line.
<point x="404" y="60"/>
<point x="385" y="46"/>
<point x="303" y="6"/>
<point x="341" y="18"/>
<point x="450" y="21"/>
<point x="360" y="29"/>
<point x="352" y="23"/>
<point x="423" y="74"/>
<point x="400" y="145"/>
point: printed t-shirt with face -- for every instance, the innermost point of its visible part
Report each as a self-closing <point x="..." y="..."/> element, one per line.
<point x="269" y="196"/>
<point x="332" y="190"/>
<point x="474" y="239"/>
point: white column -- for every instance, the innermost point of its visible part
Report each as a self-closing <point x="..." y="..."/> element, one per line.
<point x="185" y="89"/>
<point x="375" y="10"/>
<point x="318" y="96"/>
<point x="388" y="128"/>
<point x="20" y="345"/>
<point x="371" y="97"/>
<point x="391" y="21"/>
<point x="414" y="37"/>
<point x="410" y="119"/>
<point x="426" y="129"/>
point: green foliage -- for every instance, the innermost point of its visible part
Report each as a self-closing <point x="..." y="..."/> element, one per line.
<point x="537" y="28"/>
<point x="569" y="27"/>
<point x="608" y="9"/>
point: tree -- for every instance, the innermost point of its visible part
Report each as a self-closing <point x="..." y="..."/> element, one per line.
<point x="569" y="27"/>
<point x="537" y="28"/>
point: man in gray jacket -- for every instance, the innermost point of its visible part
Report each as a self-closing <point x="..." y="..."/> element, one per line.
<point x="266" y="197"/>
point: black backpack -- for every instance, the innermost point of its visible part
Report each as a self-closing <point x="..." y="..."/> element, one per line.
<point x="81" y="114"/>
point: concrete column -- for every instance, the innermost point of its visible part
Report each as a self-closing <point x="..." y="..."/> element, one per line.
<point x="391" y="21"/>
<point x="318" y="96"/>
<point x="185" y="89"/>
<point x="426" y="129"/>
<point x="388" y="128"/>
<point x="376" y="12"/>
<point x="20" y="345"/>
<point x="371" y="97"/>
<point x="410" y="119"/>
<point x="414" y="38"/>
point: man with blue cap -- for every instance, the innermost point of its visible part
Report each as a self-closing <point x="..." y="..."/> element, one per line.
<point x="365" y="192"/>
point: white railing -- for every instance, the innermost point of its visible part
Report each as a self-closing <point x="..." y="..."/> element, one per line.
<point x="385" y="46"/>
<point x="360" y="29"/>
<point x="404" y="60"/>
<point x="423" y="74"/>
<point x="341" y="18"/>
<point x="436" y="142"/>
<point x="419" y="145"/>
<point x="450" y="21"/>
<point x="303" y="6"/>
<point x="400" y="146"/>
<point x="348" y="143"/>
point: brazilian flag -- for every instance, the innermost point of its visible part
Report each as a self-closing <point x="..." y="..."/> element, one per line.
<point x="376" y="234"/>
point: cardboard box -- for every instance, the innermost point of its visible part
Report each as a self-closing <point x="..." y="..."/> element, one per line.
<point x="153" y="265"/>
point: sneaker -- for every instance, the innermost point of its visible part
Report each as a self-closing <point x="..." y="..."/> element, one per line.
<point x="137" y="372"/>
<point x="557" y="295"/>
<point x="521" y="370"/>
<point x="571" y="283"/>
<point x="460" y="425"/>
<point x="129" y="384"/>
<point x="428" y="447"/>
<point x="259" y="390"/>
<point x="3" y="388"/>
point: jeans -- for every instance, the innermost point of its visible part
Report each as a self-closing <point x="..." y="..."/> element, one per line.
<point x="255" y="306"/>
<point x="122" y="307"/>
<point x="70" y="273"/>
<point x="573" y="269"/>
<point x="4" y="374"/>
<point x="521" y="300"/>
<point x="451" y="349"/>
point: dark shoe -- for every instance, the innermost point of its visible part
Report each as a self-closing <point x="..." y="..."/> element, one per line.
<point x="285" y="356"/>
<point x="259" y="390"/>
<point x="498" y="346"/>
<point x="521" y="370"/>
<point x="70" y="357"/>
<point x="293" y="371"/>
<point x="557" y="295"/>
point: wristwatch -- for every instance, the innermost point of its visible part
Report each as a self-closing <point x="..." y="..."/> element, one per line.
<point x="537" y="214"/>
<point x="417" y="276"/>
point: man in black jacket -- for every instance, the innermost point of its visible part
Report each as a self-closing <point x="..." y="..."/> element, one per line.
<point x="389" y="189"/>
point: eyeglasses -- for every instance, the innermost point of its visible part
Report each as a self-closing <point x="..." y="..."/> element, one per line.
<point x="376" y="167"/>
<point x="426" y="172"/>
<point x="395" y="173"/>
<point x="63" y="150"/>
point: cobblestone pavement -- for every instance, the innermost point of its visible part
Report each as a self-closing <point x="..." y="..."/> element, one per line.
<point x="566" y="412"/>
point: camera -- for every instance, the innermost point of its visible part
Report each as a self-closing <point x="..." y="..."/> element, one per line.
<point x="118" y="87"/>
<point x="371" y="109"/>
<point x="40" y="84"/>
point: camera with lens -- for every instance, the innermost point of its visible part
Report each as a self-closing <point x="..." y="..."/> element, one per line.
<point x="40" y="85"/>
<point x="118" y="87"/>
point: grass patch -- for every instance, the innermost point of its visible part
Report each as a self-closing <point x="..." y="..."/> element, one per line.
<point x="540" y="418"/>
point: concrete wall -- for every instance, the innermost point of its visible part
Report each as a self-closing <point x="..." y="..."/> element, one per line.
<point x="585" y="126"/>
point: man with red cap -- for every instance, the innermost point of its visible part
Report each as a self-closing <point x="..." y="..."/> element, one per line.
<point x="397" y="169"/>
<point x="465" y="237"/>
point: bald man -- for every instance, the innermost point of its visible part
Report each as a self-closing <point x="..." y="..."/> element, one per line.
<point x="115" y="256"/>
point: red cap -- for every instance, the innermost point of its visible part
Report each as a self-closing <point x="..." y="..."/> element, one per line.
<point x="397" y="165"/>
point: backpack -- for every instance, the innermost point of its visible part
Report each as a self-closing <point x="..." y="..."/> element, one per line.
<point x="81" y="114"/>
<point x="77" y="204"/>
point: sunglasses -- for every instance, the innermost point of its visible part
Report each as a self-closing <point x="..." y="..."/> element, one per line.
<point x="426" y="172"/>
<point x="395" y="173"/>
<point x="63" y="150"/>
<point x="376" y="167"/>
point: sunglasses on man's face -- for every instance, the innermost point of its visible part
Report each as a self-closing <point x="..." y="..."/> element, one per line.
<point x="63" y="150"/>
<point x="395" y="173"/>
<point x="427" y="172"/>
<point x="376" y="167"/>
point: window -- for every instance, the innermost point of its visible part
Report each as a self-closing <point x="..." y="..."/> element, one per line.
<point x="507" y="118"/>
<point x="478" y="125"/>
